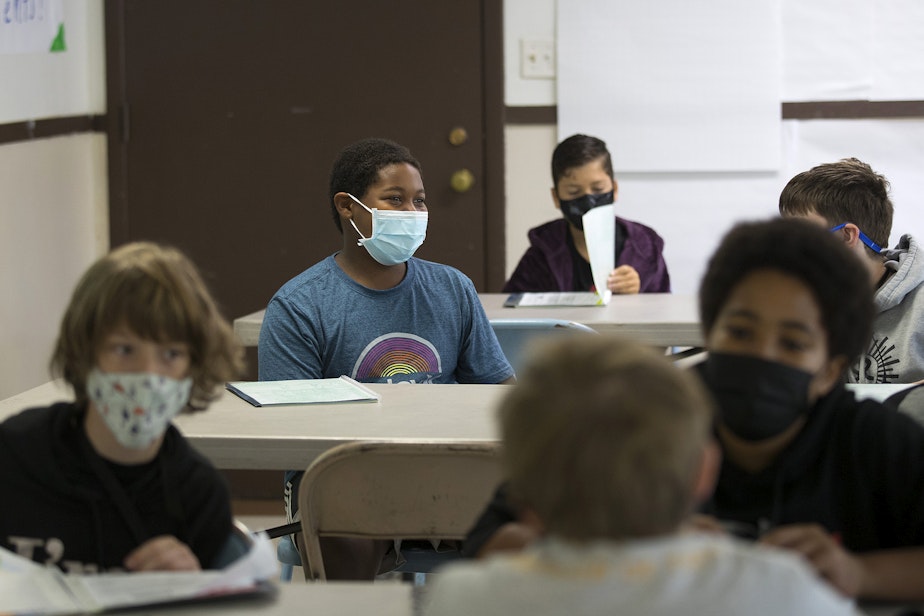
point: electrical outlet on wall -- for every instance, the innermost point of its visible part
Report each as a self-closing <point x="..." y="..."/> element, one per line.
<point x="537" y="59"/>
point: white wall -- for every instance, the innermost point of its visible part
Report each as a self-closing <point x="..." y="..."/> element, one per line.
<point x="53" y="214"/>
<point x="692" y="211"/>
<point x="528" y="148"/>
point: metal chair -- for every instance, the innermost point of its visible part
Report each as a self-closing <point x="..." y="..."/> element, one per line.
<point x="388" y="490"/>
<point x="516" y="335"/>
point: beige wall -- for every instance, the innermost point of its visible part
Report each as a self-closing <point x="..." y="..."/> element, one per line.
<point x="527" y="184"/>
<point x="54" y="225"/>
<point x="53" y="213"/>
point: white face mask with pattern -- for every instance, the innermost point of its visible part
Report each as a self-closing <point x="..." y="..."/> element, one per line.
<point x="137" y="406"/>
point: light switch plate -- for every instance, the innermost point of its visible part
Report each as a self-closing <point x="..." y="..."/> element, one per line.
<point x="537" y="59"/>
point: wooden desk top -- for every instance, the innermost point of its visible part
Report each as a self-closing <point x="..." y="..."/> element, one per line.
<point x="235" y="435"/>
<point x="660" y="319"/>
<point x="297" y="598"/>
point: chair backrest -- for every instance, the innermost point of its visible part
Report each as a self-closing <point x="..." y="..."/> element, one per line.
<point x="515" y="335"/>
<point x="388" y="490"/>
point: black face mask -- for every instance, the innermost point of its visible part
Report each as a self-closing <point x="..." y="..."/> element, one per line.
<point x="757" y="399"/>
<point x="574" y="209"/>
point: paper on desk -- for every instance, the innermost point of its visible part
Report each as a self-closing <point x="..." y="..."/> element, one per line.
<point x="303" y="391"/>
<point x="33" y="589"/>
<point x="600" y="234"/>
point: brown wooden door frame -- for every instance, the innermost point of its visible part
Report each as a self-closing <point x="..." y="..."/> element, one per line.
<point x="118" y="126"/>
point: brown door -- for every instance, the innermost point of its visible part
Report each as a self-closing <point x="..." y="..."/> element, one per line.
<point x="225" y="116"/>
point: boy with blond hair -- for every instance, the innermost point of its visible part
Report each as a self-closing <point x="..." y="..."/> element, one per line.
<point x="608" y="450"/>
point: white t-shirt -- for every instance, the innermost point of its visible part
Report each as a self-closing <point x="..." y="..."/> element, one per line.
<point x="688" y="575"/>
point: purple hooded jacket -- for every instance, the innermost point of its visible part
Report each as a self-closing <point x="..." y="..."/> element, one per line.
<point x="548" y="264"/>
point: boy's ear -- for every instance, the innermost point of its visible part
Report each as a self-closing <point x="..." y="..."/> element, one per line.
<point x="344" y="205"/>
<point x="615" y="189"/>
<point x="850" y="234"/>
<point x="555" y="199"/>
<point x="708" y="472"/>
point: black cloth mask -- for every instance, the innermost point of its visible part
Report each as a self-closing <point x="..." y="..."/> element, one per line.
<point x="757" y="399"/>
<point x="574" y="209"/>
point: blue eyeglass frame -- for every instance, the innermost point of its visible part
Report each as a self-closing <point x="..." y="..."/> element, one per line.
<point x="863" y="238"/>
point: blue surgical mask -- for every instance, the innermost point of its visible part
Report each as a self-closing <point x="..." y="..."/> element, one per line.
<point x="396" y="234"/>
<point x="863" y="238"/>
<point x="574" y="209"/>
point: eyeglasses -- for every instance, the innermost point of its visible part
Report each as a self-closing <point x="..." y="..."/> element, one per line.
<point x="863" y="238"/>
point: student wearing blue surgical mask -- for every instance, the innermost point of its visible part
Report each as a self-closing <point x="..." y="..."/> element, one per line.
<point x="557" y="258"/>
<point x="374" y="312"/>
<point x="106" y="482"/>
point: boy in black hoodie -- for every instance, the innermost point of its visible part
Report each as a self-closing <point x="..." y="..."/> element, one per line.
<point x="106" y="482"/>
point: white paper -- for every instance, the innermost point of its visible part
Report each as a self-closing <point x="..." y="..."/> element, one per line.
<point x="566" y="298"/>
<point x="600" y="235"/>
<point x="828" y="50"/>
<point x="673" y="85"/>
<point x="302" y="391"/>
<point x="898" y="50"/>
<point x="853" y="50"/>
<point x="45" y="590"/>
<point x="30" y="27"/>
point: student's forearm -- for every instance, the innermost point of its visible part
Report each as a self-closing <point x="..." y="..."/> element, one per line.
<point x="895" y="575"/>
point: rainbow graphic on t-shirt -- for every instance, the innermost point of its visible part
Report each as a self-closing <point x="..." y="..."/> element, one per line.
<point x="398" y="357"/>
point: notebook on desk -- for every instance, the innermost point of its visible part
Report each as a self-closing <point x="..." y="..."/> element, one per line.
<point x="305" y="391"/>
<point x="527" y="300"/>
<point x="30" y="588"/>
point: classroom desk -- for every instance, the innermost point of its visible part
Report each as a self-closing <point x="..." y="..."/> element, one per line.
<point x="330" y="599"/>
<point x="235" y="435"/>
<point x="660" y="319"/>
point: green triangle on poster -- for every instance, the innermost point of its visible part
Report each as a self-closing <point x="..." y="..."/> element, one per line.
<point x="58" y="44"/>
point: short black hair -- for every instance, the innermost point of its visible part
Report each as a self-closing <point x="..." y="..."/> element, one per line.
<point x="578" y="150"/>
<point x="357" y="168"/>
<point x="799" y="248"/>
<point x="846" y="191"/>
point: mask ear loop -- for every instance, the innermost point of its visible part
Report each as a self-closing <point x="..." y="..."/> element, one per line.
<point x="363" y="238"/>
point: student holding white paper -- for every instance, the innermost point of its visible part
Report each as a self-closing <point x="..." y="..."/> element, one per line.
<point x="106" y="482"/>
<point x="558" y="260"/>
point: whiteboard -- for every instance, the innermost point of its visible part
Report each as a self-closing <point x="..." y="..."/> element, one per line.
<point x="673" y="85"/>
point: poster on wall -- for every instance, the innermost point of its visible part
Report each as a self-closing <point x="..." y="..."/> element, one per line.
<point x="673" y="85"/>
<point x="31" y="26"/>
